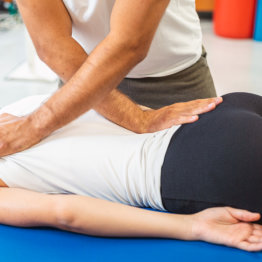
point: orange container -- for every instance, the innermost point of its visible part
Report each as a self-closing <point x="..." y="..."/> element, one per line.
<point x="234" y="18"/>
<point x="205" y="5"/>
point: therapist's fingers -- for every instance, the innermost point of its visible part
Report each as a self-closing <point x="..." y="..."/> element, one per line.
<point x="17" y="134"/>
<point x="179" y="113"/>
<point x="198" y="106"/>
<point x="5" y="117"/>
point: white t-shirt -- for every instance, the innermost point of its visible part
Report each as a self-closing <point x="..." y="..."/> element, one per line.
<point x="177" y="43"/>
<point x="90" y="156"/>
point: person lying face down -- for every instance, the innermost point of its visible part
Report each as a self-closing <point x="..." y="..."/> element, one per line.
<point x="185" y="169"/>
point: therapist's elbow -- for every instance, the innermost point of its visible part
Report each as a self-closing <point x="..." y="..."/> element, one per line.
<point x="136" y="48"/>
<point x="45" y="51"/>
<point x="139" y="50"/>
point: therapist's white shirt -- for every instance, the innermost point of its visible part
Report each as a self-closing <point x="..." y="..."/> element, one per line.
<point x="177" y="43"/>
<point x="90" y="156"/>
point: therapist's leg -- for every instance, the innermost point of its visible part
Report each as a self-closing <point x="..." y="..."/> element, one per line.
<point x="216" y="161"/>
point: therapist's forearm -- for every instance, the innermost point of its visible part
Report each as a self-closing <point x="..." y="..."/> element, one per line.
<point x="65" y="56"/>
<point x="100" y="73"/>
<point x="116" y="106"/>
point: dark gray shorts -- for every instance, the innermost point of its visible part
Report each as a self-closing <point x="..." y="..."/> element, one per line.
<point x="192" y="83"/>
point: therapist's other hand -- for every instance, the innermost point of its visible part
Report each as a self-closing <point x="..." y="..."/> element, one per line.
<point x="228" y="226"/>
<point x="16" y="134"/>
<point x="178" y="113"/>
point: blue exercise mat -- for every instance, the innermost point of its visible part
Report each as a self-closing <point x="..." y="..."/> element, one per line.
<point x="45" y="244"/>
<point x="258" y="23"/>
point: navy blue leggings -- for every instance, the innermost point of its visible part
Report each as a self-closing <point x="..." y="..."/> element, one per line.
<point x="216" y="161"/>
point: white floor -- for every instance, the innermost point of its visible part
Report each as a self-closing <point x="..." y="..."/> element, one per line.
<point x="236" y="65"/>
<point x="12" y="55"/>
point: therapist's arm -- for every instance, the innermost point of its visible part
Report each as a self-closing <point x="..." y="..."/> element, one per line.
<point x="59" y="50"/>
<point x="132" y="28"/>
<point x="85" y="215"/>
<point x="133" y="24"/>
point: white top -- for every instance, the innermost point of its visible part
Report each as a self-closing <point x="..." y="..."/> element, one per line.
<point x="90" y="156"/>
<point x="177" y="43"/>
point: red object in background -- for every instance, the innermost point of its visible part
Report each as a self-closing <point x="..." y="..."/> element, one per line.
<point x="234" y="18"/>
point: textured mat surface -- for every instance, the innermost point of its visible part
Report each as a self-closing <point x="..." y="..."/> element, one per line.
<point x="26" y="245"/>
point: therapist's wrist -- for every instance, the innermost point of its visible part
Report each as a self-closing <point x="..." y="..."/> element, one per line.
<point x="141" y="123"/>
<point x="42" y="122"/>
<point x="147" y="122"/>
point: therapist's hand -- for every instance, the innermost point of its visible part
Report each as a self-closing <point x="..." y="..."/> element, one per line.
<point x="16" y="134"/>
<point x="177" y="114"/>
